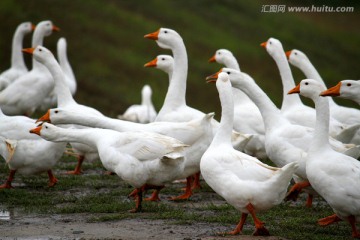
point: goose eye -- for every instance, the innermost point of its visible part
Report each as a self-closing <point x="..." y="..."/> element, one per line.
<point x="40" y="49"/>
<point x="163" y="59"/>
<point x="349" y="84"/>
<point x="56" y="111"/>
<point x="165" y="31"/>
<point x="219" y="53"/>
<point x="270" y="42"/>
<point x="306" y="83"/>
<point x="295" y="53"/>
<point x="228" y="73"/>
<point x="46" y="127"/>
<point x="48" y="24"/>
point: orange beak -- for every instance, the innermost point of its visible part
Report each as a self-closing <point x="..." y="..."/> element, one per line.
<point x="153" y="36"/>
<point x="33" y="27"/>
<point x="263" y="44"/>
<point x="212" y="78"/>
<point x="295" y="89"/>
<point x="152" y="63"/>
<point x="334" y="91"/>
<point x="288" y="53"/>
<point x="55" y="28"/>
<point x="212" y="59"/>
<point x="36" y="130"/>
<point x="28" y="50"/>
<point x="45" y="118"/>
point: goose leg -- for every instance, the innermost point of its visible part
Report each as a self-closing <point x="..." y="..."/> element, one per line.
<point x="138" y="201"/>
<point x="52" y="179"/>
<point x="196" y="183"/>
<point x="155" y="195"/>
<point x="188" y="191"/>
<point x="259" y="225"/>
<point x="329" y="220"/>
<point x="7" y="184"/>
<point x="77" y="170"/>
<point x="355" y="232"/>
<point x="295" y="190"/>
<point x="309" y="200"/>
<point x="238" y="227"/>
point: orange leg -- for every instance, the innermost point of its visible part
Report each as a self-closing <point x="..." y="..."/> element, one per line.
<point x="309" y="201"/>
<point x="355" y="232"/>
<point x="7" y="184"/>
<point x="138" y="201"/>
<point x="238" y="227"/>
<point x="295" y="190"/>
<point x="188" y="191"/>
<point x="77" y="170"/>
<point x="259" y="225"/>
<point x="329" y="220"/>
<point x="155" y="195"/>
<point x="52" y="179"/>
<point x="196" y="183"/>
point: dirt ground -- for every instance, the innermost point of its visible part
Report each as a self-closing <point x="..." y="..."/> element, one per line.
<point x="74" y="227"/>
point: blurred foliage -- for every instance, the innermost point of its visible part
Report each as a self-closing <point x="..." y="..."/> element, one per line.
<point x="107" y="50"/>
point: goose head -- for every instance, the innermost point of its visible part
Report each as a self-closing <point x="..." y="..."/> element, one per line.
<point x="162" y="62"/>
<point x="221" y="56"/>
<point x="236" y="77"/>
<point x="309" y="88"/>
<point x="273" y="46"/>
<point x="40" y="53"/>
<point x="166" y="38"/>
<point x="46" y="131"/>
<point x="55" y="115"/>
<point x="296" y="57"/>
<point x="26" y="27"/>
<point x="345" y="88"/>
<point x="46" y="27"/>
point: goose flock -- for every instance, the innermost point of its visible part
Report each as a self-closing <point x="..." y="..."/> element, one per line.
<point x="313" y="149"/>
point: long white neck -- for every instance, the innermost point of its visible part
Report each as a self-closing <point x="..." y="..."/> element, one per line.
<point x="17" y="58"/>
<point x="321" y="134"/>
<point x="223" y="134"/>
<point x="37" y="40"/>
<point x="310" y="72"/>
<point x="65" y="65"/>
<point x="270" y="113"/>
<point x="177" y="87"/>
<point x="287" y="81"/>
<point x="62" y="91"/>
<point x="74" y="135"/>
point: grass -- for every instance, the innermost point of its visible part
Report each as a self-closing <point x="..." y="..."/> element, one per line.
<point x="104" y="198"/>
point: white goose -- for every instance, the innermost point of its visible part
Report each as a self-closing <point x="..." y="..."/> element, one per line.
<point x="17" y="67"/>
<point x="345" y="115"/>
<point x="28" y="91"/>
<point x="175" y="108"/>
<point x="335" y="176"/>
<point x="139" y="158"/>
<point x="292" y="106"/>
<point x="25" y="153"/>
<point x="247" y="117"/>
<point x="285" y="142"/>
<point x="65" y="99"/>
<point x="190" y="133"/>
<point x="50" y="100"/>
<point x="143" y="113"/>
<point x="348" y="89"/>
<point x="243" y="181"/>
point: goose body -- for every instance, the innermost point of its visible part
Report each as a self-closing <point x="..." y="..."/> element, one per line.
<point x="335" y="176"/>
<point x="17" y="67"/>
<point x="348" y="89"/>
<point x="292" y="106"/>
<point x="247" y="117"/>
<point x="143" y="113"/>
<point x="28" y="91"/>
<point x="139" y="158"/>
<point x="25" y="153"/>
<point x="243" y="181"/>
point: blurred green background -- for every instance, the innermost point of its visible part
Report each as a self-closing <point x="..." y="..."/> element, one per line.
<point x="107" y="50"/>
